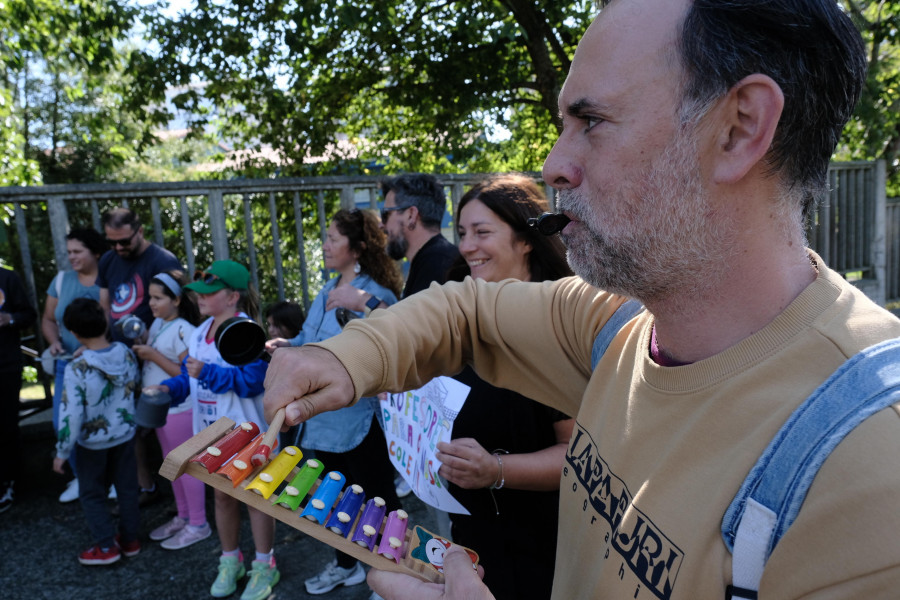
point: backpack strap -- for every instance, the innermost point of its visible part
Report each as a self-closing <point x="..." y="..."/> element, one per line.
<point x="771" y="496"/>
<point x="623" y="314"/>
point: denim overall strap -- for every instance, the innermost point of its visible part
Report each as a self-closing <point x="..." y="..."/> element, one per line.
<point x="771" y="496"/>
<point x="623" y="314"/>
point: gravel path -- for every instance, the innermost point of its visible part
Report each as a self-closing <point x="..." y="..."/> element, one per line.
<point x="41" y="538"/>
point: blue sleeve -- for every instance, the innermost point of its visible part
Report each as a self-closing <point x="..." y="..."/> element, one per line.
<point x="180" y="385"/>
<point x="313" y="318"/>
<point x="246" y="381"/>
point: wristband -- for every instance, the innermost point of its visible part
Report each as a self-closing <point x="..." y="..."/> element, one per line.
<point x="373" y="302"/>
<point x="498" y="484"/>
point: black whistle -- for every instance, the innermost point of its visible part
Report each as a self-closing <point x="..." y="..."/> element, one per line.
<point x="549" y="223"/>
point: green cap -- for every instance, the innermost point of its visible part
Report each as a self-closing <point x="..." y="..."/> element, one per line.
<point x="219" y="275"/>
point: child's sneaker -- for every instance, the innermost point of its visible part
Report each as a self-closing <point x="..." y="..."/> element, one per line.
<point x="187" y="536"/>
<point x="263" y="577"/>
<point x="70" y="494"/>
<point x="231" y="568"/>
<point x="333" y="576"/>
<point x="132" y="548"/>
<point x="100" y="556"/>
<point x="164" y="532"/>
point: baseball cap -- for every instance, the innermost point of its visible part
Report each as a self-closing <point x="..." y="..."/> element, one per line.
<point x="219" y="275"/>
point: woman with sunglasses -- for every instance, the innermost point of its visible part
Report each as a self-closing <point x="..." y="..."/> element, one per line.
<point x="84" y="247"/>
<point x="350" y="440"/>
<point x="507" y="451"/>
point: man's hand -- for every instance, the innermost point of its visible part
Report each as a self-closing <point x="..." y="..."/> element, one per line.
<point x="306" y="381"/>
<point x="461" y="582"/>
<point x="58" y="465"/>
<point x="347" y="296"/>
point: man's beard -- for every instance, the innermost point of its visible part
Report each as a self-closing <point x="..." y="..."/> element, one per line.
<point x="397" y="247"/>
<point x="654" y="237"/>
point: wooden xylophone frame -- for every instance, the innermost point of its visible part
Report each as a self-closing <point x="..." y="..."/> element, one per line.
<point x="178" y="462"/>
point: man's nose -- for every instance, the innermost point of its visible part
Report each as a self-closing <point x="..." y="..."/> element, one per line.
<point x="561" y="170"/>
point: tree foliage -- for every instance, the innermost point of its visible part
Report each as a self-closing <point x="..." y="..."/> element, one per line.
<point x="415" y="82"/>
<point x="874" y="132"/>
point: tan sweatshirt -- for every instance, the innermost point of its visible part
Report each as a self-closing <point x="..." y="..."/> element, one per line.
<point x="658" y="453"/>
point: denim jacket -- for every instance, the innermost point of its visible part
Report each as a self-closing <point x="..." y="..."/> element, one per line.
<point x="344" y="429"/>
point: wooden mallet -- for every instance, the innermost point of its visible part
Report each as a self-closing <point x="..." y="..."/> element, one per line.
<point x="265" y="448"/>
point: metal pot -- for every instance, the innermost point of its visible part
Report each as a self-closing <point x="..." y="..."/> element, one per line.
<point x="152" y="409"/>
<point x="240" y="341"/>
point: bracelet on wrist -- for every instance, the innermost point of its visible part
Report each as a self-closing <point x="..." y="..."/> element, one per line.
<point x="500" y="481"/>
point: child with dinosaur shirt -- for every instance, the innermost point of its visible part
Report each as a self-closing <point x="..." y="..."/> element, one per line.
<point x="97" y="422"/>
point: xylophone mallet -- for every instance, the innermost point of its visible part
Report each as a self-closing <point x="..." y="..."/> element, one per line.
<point x="265" y="449"/>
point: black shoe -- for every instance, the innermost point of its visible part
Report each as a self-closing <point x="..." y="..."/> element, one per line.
<point x="6" y="496"/>
<point x="148" y="497"/>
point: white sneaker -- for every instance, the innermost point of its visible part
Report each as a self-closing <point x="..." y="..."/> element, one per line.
<point x="187" y="536"/>
<point x="333" y="576"/>
<point x="112" y="493"/>
<point x="402" y="488"/>
<point x="164" y="532"/>
<point x="70" y="494"/>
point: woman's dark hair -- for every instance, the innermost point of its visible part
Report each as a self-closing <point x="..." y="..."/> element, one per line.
<point x="363" y="230"/>
<point x="515" y="198"/>
<point x="288" y="316"/>
<point x="85" y="318"/>
<point x="91" y="239"/>
<point x="187" y="307"/>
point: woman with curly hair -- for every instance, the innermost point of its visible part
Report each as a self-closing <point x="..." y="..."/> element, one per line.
<point x="349" y="440"/>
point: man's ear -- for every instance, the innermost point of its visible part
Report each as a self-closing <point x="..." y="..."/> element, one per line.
<point x="748" y="117"/>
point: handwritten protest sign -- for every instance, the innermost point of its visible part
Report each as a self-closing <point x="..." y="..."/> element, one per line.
<point x="414" y="422"/>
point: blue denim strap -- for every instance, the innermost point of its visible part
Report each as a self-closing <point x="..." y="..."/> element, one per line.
<point x="623" y="314"/>
<point x="771" y="496"/>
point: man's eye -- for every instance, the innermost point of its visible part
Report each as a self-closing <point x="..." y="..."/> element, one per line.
<point x="592" y="121"/>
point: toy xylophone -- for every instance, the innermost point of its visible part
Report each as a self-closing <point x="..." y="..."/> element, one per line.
<point x="341" y="517"/>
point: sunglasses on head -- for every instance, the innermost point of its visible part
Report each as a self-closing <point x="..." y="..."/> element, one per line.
<point x="123" y="242"/>
<point x="207" y="278"/>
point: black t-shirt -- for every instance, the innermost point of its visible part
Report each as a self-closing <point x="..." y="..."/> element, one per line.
<point x="13" y="300"/>
<point x="127" y="280"/>
<point x="514" y="531"/>
<point x="430" y="263"/>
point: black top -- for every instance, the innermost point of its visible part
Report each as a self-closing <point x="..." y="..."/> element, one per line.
<point x="518" y="545"/>
<point x="429" y="264"/>
<point x="13" y="300"/>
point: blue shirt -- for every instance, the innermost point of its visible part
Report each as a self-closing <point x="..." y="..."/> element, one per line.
<point x="341" y="430"/>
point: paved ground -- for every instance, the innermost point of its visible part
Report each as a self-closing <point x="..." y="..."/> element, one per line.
<point x="41" y="538"/>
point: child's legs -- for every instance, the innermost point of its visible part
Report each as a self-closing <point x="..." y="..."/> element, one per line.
<point x="190" y="492"/>
<point x="93" y="482"/>
<point x="123" y="468"/>
<point x="263" y="528"/>
<point x="228" y="520"/>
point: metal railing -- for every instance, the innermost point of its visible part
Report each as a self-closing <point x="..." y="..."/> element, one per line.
<point x="275" y="226"/>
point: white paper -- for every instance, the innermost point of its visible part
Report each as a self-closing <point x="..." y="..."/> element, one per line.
<point x="414" y="422"/>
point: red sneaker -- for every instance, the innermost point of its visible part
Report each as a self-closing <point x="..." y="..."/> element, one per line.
<point x="132" y="548"/>
<point x="99" y="556"/>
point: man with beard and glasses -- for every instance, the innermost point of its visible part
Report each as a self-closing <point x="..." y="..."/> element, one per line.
<point x="696" y="137"/>
<point x="414" y="205"/>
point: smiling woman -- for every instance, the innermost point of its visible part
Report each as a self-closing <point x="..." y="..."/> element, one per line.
<point x="504" y="460"/>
